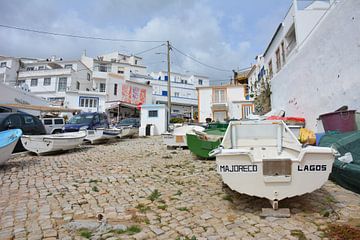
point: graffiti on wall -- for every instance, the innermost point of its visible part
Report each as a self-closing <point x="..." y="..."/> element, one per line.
<point x="133" y="95"/>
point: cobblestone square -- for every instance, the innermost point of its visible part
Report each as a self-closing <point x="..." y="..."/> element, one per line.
<point x="138" y="189"/>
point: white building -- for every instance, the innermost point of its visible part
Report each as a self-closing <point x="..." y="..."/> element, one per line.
<point x="323" y="75"/>
<point x="291" y="34"/>
<point x="184" y="99"/>
<point x="8" y="69"/>
<point x="63" y="83"/>
<point x="219" y="103"/>
<point x="153" y="119"/>
<point x="113" y="75"/>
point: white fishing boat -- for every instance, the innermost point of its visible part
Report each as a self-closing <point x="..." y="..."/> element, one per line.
<point x="177" y="138"/>
<point x="101" y="135"/>
<point x="8" y="140"/>
<point x="265" y="159"/>
<point x="128" y="131"/>
<point x="42" y="144"/>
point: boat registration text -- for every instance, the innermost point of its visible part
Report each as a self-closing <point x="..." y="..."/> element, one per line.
<point x="238" y="168"/>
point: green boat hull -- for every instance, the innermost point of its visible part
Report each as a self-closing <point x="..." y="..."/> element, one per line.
<point x="201" y="147"/>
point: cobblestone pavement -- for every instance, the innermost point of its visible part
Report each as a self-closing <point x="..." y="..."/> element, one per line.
<point x="137" y="189"/>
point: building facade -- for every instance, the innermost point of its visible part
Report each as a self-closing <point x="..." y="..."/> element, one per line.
<point x="289" y="37"/>
<point x="220" y="103"/>
<point x="184" y="98"/>
<point x="62" y="83"/>
<point x="9" y="67"/>
<point x="122" y="78"/>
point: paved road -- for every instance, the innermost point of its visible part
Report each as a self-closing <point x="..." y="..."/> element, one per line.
<point x="137" y="189"/>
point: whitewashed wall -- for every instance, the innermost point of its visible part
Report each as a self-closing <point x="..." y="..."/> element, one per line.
<point x="324" y="75"/>
<point x="205" y="100"/>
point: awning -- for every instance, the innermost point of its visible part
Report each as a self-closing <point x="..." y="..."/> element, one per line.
<point x="40" y="108"/>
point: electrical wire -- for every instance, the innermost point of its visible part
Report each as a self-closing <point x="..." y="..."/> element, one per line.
<point x="148" y="50"/>
<point x="195" y="60"/>
<point x="76" y="36"/>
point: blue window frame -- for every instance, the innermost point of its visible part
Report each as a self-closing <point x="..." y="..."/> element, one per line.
<point x="164" y="93"/>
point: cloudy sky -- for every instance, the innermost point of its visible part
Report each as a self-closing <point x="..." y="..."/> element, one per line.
<point x="227" y="34"/>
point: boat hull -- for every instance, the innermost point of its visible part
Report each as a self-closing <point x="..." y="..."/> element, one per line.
<point x="265" y="159"/>
<point x="178" y="137"/>
<point x="8" y="143"/>
<point x="101" y="135"/>
<point x="43" y="144"/>
<point x="201" y="147"/>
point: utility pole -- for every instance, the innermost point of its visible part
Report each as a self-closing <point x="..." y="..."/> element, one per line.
<point x="168" y="83"/>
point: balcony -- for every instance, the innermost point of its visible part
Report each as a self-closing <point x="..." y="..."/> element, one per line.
<point x="219" y="106"/>
<point x="45" y="72"/>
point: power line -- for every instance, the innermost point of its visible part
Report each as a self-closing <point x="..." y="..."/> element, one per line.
<point x="148" y="50"/>
<point x="195" y="60"/>
<point x="76" y="36"/>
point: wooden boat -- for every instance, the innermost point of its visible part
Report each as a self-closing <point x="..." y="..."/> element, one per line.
<point x="201" y="143"/>
<point x="265" y="159"/>
<point x="42" y="144"/>
<point x="101" y="135"/>
<point x="177" y="138"/>
<point x="8" y="140"/>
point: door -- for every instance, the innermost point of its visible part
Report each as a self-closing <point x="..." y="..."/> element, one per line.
<point x="247" y="109"/>
<point x="220" y="116"/>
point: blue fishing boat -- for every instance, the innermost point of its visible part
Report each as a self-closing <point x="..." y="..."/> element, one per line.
<point x="8" y="140"/>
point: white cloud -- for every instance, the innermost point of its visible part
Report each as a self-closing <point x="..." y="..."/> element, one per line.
<point x="195" y="29"/>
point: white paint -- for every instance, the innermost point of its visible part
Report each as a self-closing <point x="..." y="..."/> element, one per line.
<point x="183" y="90"/>
<point x="158" y="122"/>
<point x="231" y="106"/>
<point x="323" y="75"/>
<point x="293" y="32"/>
<point x="12" y="95"/>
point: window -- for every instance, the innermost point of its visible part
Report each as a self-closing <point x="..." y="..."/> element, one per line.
<point x="121" y="70"/>
<point x="88" y="102"/>
<point x="283" y="51"/>
<point x="115" y="89"/>
<point x="136" y="61"/>
<point x="164" y="93"/>
<point x="219" y="96"/>
<point x="68" y="66"/>
<point x="177" y="94"/>
<point x="47" y="82"/>
<point x="59" y="121"/>
<point x="102" y="87"/>
<point x="30" y="69"/>
<point x="278" y="60"/>
<point x="165" y="78"/>
<point x="103" y="68"/>
<point x="270" y="69"/>
<point x="47" y="121"/>
<point x="34" y="82"/>
<point x="200" y="82"/>
<point x="62" y="84"/>
<point x="3" y="64"/>
<point x="20" y="82"/>
<point x="41" y="67"/>
<point x="77" y="85"/>
<point x="88" y="76"/>
<point x="153" y="113"/>
<point x="29" y="120"/>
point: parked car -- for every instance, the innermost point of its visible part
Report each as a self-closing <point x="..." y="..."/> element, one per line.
<point x="30" y="125"/>
<point x="53" y="125"/>
<point x="86" y="121"/>
<point x="134" y="122"/>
